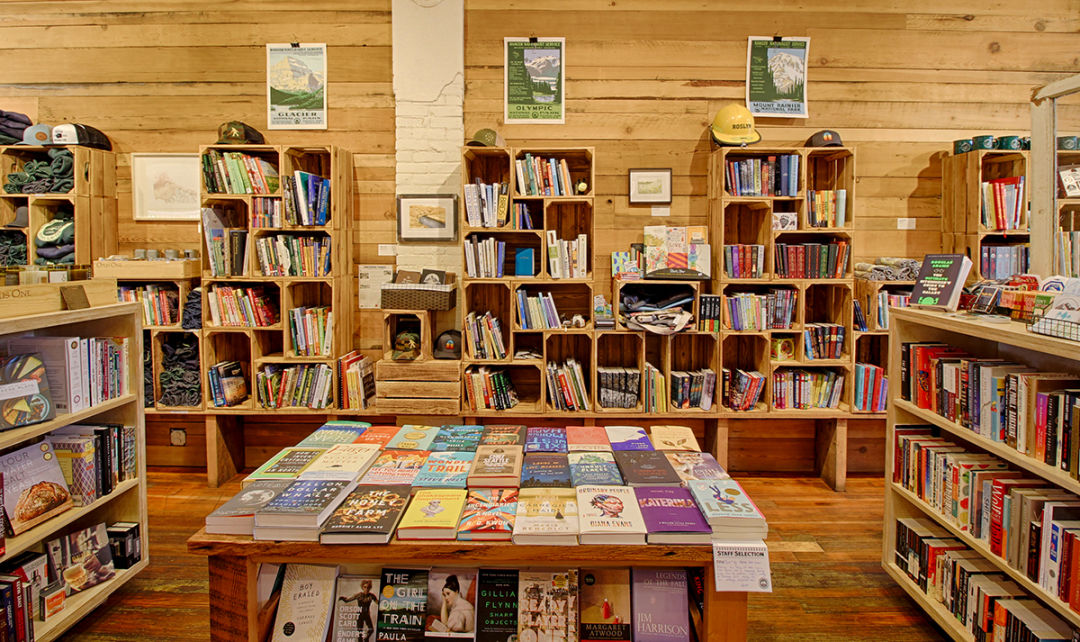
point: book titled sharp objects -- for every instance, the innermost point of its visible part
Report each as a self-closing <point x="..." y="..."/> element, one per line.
<point x="661" y="609"/>
<point x="307" y="596"/>
<point x="402" y="605"/>
<point x="587" y="438"/>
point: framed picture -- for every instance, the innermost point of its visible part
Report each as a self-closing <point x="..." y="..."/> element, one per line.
<point x="650" y="185"/>
<point x="165" y="187"/>
<point x="427" y="217"/>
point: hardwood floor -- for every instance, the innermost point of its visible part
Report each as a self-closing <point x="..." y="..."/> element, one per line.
<point x="825" y="551"/>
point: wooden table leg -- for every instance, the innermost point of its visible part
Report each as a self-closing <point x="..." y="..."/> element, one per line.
<point x="725" y="613"/>
<point x="224" y="449"/>
<point x="229" y="596"/>
<point x="831" y="452"/>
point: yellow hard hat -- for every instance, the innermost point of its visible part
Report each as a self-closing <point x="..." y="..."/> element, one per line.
<point x="734" y="125"/>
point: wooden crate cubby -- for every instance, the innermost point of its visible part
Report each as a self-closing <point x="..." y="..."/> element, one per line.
<point x="621" y="350"/>
<point x="689" y="351"/>
<point x="568" y="218"/>
<point x="220" y="346"/>
<point x="749" y="352"/>
<point x="570" y="299"/>
<point x="657" y="289"/>
<point x="559" y="347"/>
<point x="579" y="161"/>
<point x="158" y="339"/>
<point x="418" y="321"/>
<point x="528" y="381"/>
<point x="515" y="240"/>
<point x="479" y="299"/>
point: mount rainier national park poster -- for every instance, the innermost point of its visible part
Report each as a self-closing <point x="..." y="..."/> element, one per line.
<point x="776" y="76"/>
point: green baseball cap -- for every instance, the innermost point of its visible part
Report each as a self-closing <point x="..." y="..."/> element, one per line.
<point x="486" y="138"/>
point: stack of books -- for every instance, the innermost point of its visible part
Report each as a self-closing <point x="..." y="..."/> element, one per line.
<point x="228" y="383"/>
<point x="238" y="173"/>
<point x="489" y="389"/>
<point x="483" y="337"/>
<point x="160" y="303"/>
<point x="693" y="389"/>
<point x="240" y="307"/>
<point x="804" y="389"/>
<point x="823" y="340"/>
<point x="543" y="177"/>
<point x="744" y="261"/>
<point x="265" y="212"/>
<point x="484" y="258"/>
<point x="307" y="199"/>
<point x="486" y="204"/>
<point x="888" y="300"/>
<point x="769" y="176"/>
<point x="812" y="260"/>
<point x="356" y="381"/>
<point x="537" y="312"/>
<point x="306" y="385"/>
<point x="293" y="255"/>
<point x="871" y="388"/>
<point x="618" y="387"/>
<point x="748" y="312"/>
<point x="742" y="388"/>
<point x="566" y="386"/>
<point x="1004" y="204"/>
<point x="311" y="331"/>
<point x="567" y="259"/>
<point x="826" y="207"/>
<point x="731" y="514"/>
<point x="1003" y="261"/>
<point x="710" y="312"/>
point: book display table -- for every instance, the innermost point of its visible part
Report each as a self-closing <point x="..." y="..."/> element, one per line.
<point x="233" y="563"/>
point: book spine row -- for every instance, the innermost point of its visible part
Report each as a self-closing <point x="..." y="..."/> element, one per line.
<point x="537" y="312"/>
<point x="888" y="300"/>
<point x="307" y="199"/>
<point x="741" y="389"/>
<point x="300" y="386"/>
<point x="860" y="317"/>
<point x="567" y="259"/>
<point x="228" y="251"/>
<point x="522" y="217"/>
<point x="566" y="389"/>
<point x="812" y="260"/>
<point x="806" y="389"/>
<point x="95" y="459"/>
<point x="311" y="330"/>
<point x="265" y="212"/>
<point x="871" y="388"/>
<point x="766" y="176"/>
<point x="238" y="173"/>
<point x="160" y="303"/>
<point x="744" y="261"/>
<point x="488" y="389"/>
<point x="824" y="340"/>
<point x="826" y="208"/>
<point x="618" y="387"/>
<point x="293" y="255"/>
<point x="710" y="312"/>
<point x="356" y="381"/>
<point x="240" y="307"/>
<point x="483" y="336"/>
<point x="1003" y="261"/>
<point x="1004" y="204"/>
<point x="748" y="312"/>
<point x="655" y="390"/>
<point x="693" y="389"/>
<point x="487" y="204"/>
<point x="543" y="177"/>
<point x="484" y="258"/>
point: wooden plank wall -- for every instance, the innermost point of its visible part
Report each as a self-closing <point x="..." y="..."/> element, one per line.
<point x="898" y="80"/>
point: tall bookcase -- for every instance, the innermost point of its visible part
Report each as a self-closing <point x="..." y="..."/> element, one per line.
<point x="872" y="344"/>
<point x="127" y="502"/>
<point x="256" y="347"/>
<point x="91" y="201"/>
<point x="981" y="339"/>
<point x="962" y="203"/>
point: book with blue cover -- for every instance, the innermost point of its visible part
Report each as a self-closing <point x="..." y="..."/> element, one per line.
<point x="544" y="439"/>
<point x="306" y="502"/>
<point x="524" y="263"/>
<point x="628" y="438"/>
<point x="457" y="438"/>
<point x="413" y="437"/>
<point x="335" y="432"/>
<point x="594" y="469"/>
<point x="444" y="470"/>
<point x="545" y="470"/>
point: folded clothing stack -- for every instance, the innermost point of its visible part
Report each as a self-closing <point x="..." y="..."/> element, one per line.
<point x="55" y="175"/>
<point x="191" y="318"/>
<point x="12" y="247"/>
<point x="180" y="381"/>
<point x="889" y="268"/>
<point x="12" y="126"/>
<point x="55" y="240"/>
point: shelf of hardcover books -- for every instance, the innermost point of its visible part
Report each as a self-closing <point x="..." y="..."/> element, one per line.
<point x="746" y="241"/>
<point x="295" y="386"/>
<point x="485" y="193"/>
<point x="635" y="298"/>
<point x="806" y="256"/>
<point x="291" y="256"/>
<point x="874" y="298"/>
<point x="241" y="305"/>
<point x="311" y="328"/>
<point x="503" y="390"/>
<point x="504" y="255"/>
<point x="567" y="229"/>
<point x="753" y="175"/>
<point x="760" y="309"/>
<point x="177" y="383"/>
<point x="620" y="362"/>
<point x="160" y="301"/>
<point x="813" y="391"/>
<point x="569" y="363"/>
<point x="239" y="170"/>
<point x="227" y="356"/>
<point x="830" y="180"/>
<point x="553" y="306"/>
<point x="870" y="391"/>
<point x="745" y="360"/>
<point x="826" y="328"/>
<point x="553" y="173"/>
<point x="654" y="384"/>
<point x="1002" y="255"/>
<point x="225" y="237"/>
<point x="692" y="376"/>
<point x="484" y="329"/>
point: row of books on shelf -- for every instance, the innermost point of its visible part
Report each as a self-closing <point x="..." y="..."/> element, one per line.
<point x="618" y="387"/>
<point x="238" y="173"/>
<point x="871" y="388"/>
<point x="797" y="389"/>
<point x="293" y="255"/>
<point x="484" y="337"/>
<point x="710" y="312"/>
<point x="228" y="383"/>
<point x="543" y="177"/>
<point x="823" y="340"/>
<point x="1067" y="252"/>
<point x="693" y="388"/>
<point x="987" y="603"/>
<point x="486" y="259"/>
<point x="312" y="331"/>
<point x="1003" y="261"/>
<point x="521" y="217"/>
<point x="885" y="300"/>
<point x="812" y="260"/>
<point x="1032" y="411"/>
<point x="744" y="261"/>
<point x="826" y="208"/>
<point x="305" y="385"/>
<point x="1004" y="203"/>
<point x="655" y="393"/>
<point x="489" y="604"/>
<point x="35" y="586"/>
<point x="566" y="389"/>
<point x="567" y="258"/>
<point x="226" y="250"/>
<point x="160" y="303"/>
<point x="66" y="374"/>
<point x="537" y="312"/>
<point x="356" y="381"/>
<point x="741" y="389"/>
<point x="489" y="389"/>
<point x="1026" y="523"/>
<point x="486" y="204"/>
<point x="749" y="312"/>
<point x="240" y="307"/>
<point x="769" y="176"/>
<point x="307" y="199"/>
<point x="265" y="212"/>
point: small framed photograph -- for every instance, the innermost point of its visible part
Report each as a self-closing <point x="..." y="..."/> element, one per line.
<point x="650" y="185"/>
<point x="165" y="187"/>
<point x="427" y="217"/>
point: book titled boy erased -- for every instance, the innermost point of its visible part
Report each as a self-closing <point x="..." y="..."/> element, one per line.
<point x="403" y="605"/>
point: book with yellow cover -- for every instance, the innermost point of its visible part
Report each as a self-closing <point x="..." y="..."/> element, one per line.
<point x="674" y="438"/>
<point x="433" y="514"/>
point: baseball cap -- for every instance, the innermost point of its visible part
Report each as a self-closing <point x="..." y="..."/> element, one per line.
<point x="406" y="346"/>
<point x="486" y="138"/>
<point x="448" y="345"/>
<point x="825" y="138"/>
<point x="36" y="135"/>
<point x="236" y="132"/>
<point x="79" y="134"/>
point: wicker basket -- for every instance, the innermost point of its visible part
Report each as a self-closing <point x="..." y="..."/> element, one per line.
<point x="408" y="296"/>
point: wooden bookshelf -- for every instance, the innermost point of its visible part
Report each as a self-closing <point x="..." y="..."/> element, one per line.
<point x="872" y="344"/>
<point x="1066" y="261"/>
<point x="1009" y="341"/>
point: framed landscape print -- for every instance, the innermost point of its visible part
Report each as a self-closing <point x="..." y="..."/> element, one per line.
<point x="427" y="217"/>
<point x="165" y="187"/>
<point x="650" y="185"/>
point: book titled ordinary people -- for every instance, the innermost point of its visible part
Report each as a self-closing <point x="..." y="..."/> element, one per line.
<point x="609" y="515"/>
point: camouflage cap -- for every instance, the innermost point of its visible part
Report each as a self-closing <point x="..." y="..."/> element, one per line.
<point x="236" y="132"/>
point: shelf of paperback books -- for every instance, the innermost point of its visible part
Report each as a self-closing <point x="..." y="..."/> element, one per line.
<point x="617" y="377"/>
<point x="1067" y="233"/>
<point x="1008" y="437"/>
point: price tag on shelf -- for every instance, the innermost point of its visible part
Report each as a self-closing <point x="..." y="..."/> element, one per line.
<point x="742" y="566"/>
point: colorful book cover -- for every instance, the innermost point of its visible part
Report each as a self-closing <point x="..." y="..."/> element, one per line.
<point x="335" y="432"/>
<point x="378" y="435"/>
<point x="609" y="510"/>
<point x="503" y="435"/>
<point x="369" y="510"/>
<point x="402" y="606"/>
<point x="76" y="455"/>
<point x="605" y="605"/>
<point x="342" y="461"/>
<point x="356" y="608"/>
<point x="661" y="609"/>
<point x="547" y="605"/>
<point x="723" y="499"/>
<point x="27" y="400"/>
<point x="695" y="466"/>
<point x="587" y="438"/>
<point x="546" y="511"/>
<point x="544" y="439"/>
<point x="308" y="497"/>
<point x="457" y="438"/>
<point x="34" y="486"/>
<point x="594" y="469"/>
<point x="451" y="611"/>
<point x="496" y="464"/>
<point x="306" y="606"/>
<point x="496" y="605"/>
<point x="81" y="559"/>
<point x="646" y="468"/>
<point x="674" y="438"/>
<point x="445" y="470"/>
<point x="489" y="514"/>
<point x="670" y="510"/>
<point x="413" y="437"/>
<point x="545" y="470"/>
<point x="434" y="508"/>
<point x="395" y="467"/>
<point x="628" y="438"/>
<point x="288" y="463"/>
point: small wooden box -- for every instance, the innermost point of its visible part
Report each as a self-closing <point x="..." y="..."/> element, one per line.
<point x="430" y="387"/>
<point x="39" y="298"/>
<point x="147" y="270"/>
